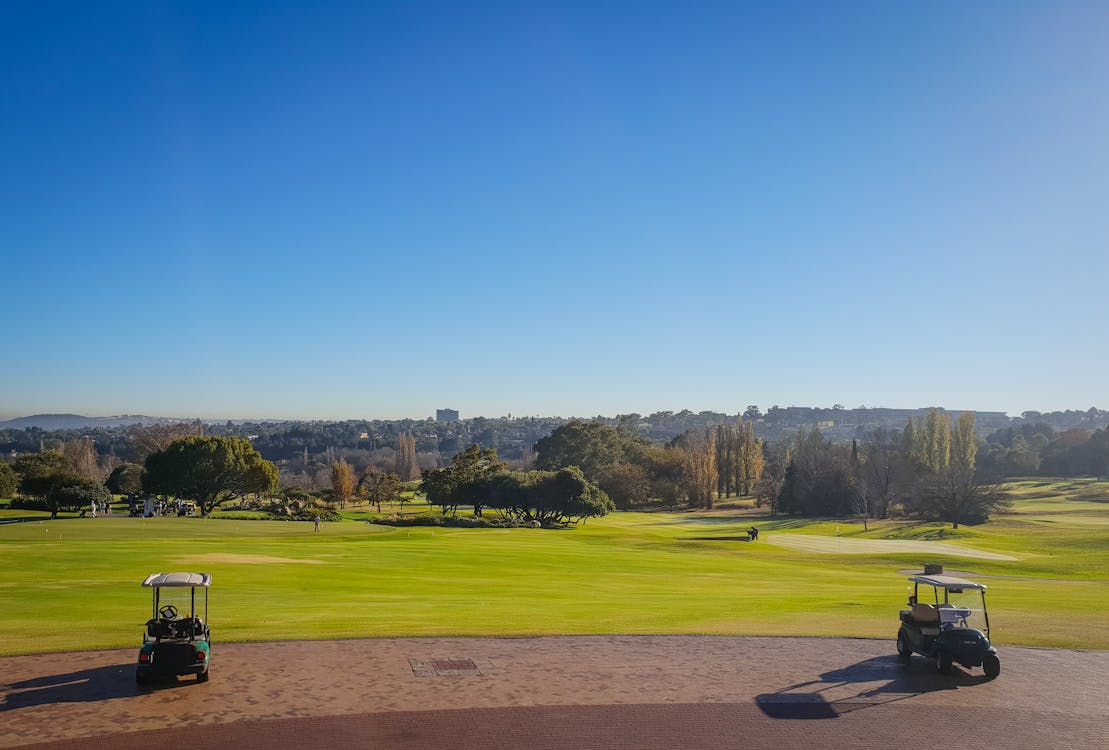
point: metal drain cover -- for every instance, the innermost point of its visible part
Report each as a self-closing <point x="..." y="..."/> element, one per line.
<point x="450" y="667"/>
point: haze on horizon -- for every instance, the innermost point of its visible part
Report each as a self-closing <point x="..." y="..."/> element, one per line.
<point x="358" y="210"/>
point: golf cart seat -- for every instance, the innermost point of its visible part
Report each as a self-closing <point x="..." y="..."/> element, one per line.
<point x="159" y="628"/>
<point x="927" y="618"/>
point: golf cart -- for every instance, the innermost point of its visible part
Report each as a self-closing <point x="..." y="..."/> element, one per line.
<point x="177" y="640"/>
<point x="948" y="624"/>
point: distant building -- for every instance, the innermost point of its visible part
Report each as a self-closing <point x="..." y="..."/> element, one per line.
<point x="446" y="415"/>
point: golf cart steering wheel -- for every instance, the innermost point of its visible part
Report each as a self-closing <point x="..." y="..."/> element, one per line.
<point x="168" y="612"/>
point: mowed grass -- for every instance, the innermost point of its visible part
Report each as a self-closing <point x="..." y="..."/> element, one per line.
<point x="74" y="583"/>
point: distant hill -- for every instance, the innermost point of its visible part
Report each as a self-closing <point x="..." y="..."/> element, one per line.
<point x="79" y="422"/>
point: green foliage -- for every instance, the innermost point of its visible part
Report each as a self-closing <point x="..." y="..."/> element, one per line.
<point x="125" y="479"/>
<point x="9" y="482"/>
<point x="209" y="471"/>
<point x="380" y="487"/>
<point x="455" y="485"/>
<point x="38" y="471"/>
<point x="44" y="476"/>
<point x="627" y="484"/>
<point x="590" y="446"/>
<point x="77" y="495"/>
<point x="544" y="497"/>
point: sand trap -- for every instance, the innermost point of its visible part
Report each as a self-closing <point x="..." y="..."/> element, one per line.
<point x="839" y="546"/>
<point x="220" y="557"/>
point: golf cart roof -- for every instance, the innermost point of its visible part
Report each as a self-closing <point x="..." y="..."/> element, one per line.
<point x="177" y="580"/>
<point x="947" y="582"/>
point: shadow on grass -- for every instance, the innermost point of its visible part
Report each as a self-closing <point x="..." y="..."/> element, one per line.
<point x="85" y="686"/>
<point x="897" y="682"/>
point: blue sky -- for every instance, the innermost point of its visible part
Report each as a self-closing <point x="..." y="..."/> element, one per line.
<point x="346" y="210"/>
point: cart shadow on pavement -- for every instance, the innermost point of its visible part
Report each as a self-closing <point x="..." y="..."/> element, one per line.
<point x="85" y="686"/>
<point x="869" y="683"/>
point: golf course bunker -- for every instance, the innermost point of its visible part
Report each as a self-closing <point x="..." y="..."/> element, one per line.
<point x="833" y="545"/>
<point x="225" y="558"/>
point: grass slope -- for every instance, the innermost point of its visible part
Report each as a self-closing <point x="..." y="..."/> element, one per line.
<point x="74" y="583"/>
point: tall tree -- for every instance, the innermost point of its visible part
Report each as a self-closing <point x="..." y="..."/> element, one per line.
<point x="404" y="461"/>
<point x="964" y="443"/>
<point x="700" y="466"/>
<point x="750" y="460"/>
<point x="209" y="471"/>
<point x="342" y="481"/>
<point x="936" y="440"/>
<point x="80" y="458"/>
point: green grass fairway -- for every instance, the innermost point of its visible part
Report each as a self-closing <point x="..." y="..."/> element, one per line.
<point x="74" y="583"/>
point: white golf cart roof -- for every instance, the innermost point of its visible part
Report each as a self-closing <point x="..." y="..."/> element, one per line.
<point x="947" y="582"/>
<point x="177" y="580"/>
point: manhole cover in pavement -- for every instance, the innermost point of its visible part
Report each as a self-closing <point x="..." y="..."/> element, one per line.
<point x="453" y="665"/>
<point x="450" y="667"/>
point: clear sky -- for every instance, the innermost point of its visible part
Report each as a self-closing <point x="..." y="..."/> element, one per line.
<point x="371" y="209"/>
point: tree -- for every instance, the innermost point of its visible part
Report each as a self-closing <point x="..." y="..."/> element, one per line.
<point x="544" y="497"/>
<point x="587" y="445"/>
<point x="209" y="471"/>
<point x="80" y="458"/>
<point x="818" y="481"/>
<point x="700" y="466"/>
<point x="342" y="481"/>
<point x="379" y="487"/>
<point x="956" y="496"/>
<point x="666" y="469"/>
<point x="626" y="484"/>
<point x="37" y="472"/>
<point x="44" y="476"/>
<point x="404" y="462"/>
<point x="883" y="468"/>
<point x="76" y="493"/>
<point x="750" y="461"/>
<point x="125" y="479"/>
<point x="9" y="482"/>
<point x="154" y="438"/>
<point x="964" y="443"/>
<point x="455" y="485"/>
<point x="935" y="440"/>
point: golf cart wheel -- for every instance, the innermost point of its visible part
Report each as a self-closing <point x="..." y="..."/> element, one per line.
<point x="992" y="665"/>
<point x="904" y="650"/>
<point x="203" y="676"/>
<point x="943" y="662"/>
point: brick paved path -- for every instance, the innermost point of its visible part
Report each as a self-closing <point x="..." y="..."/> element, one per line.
<point x="566" y="692"/>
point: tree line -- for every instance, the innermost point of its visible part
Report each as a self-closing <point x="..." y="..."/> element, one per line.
<point x="932" y="467"/>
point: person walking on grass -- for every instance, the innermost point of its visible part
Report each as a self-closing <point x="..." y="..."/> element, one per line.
<point x="317" y="522"/>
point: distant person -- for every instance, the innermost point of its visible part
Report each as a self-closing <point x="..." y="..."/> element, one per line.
<point x="754" y="533"/>
<point x="317" y="522"/>
<point x="94" y="509"/>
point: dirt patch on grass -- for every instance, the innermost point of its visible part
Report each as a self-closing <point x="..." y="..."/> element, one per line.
<point x="838" y="546"/>
<point x="222" y="557"/>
